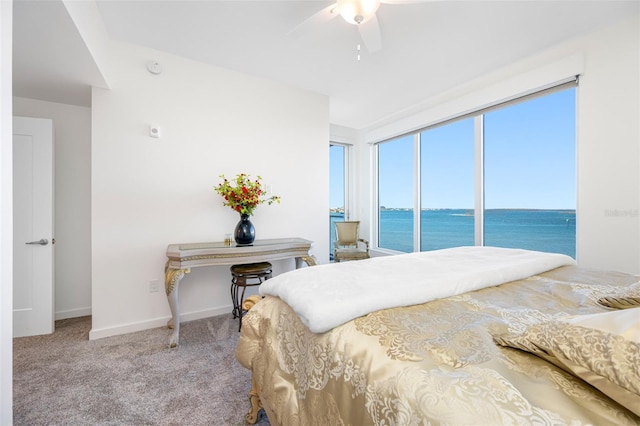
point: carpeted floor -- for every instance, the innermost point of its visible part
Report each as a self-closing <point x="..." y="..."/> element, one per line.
<point x="132" y="379"/>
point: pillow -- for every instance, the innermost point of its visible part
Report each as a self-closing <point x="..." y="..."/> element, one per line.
<point x="602" y="349"/>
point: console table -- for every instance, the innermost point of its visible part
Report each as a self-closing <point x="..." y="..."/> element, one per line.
<point x="183" y="257"/>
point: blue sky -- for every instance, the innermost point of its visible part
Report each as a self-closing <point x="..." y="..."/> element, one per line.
<point x="529" y="160"/>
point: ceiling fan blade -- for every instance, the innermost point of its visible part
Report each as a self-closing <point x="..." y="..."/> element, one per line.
<point x="318" y="18"/>
<point x="370" y="34"/>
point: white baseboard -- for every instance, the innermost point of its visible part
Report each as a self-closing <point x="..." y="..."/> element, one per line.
<point x="73" y="313"/>
<point x="157" y="322"/>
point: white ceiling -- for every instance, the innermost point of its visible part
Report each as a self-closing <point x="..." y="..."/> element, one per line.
<point x="427" y="48"/>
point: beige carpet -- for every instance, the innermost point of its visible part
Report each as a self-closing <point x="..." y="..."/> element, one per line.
<point x="133" y="379"/>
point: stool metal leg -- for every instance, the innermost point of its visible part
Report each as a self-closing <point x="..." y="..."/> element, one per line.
<point x="235" y="283"/>
<point x="241" y="280"/>
<point x="240" y="308"/>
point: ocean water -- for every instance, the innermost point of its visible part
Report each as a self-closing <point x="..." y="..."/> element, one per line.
<point x="543" y="230"/>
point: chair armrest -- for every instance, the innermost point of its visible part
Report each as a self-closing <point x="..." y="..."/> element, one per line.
<point x="366" y="243"/>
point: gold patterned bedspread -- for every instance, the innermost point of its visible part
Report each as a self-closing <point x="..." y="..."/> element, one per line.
<point x="434" y="363"/>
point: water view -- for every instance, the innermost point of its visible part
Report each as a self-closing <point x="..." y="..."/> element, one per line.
<point x="543" y="230"/>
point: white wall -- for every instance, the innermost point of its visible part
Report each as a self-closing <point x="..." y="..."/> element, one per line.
<point x="72" y="175"/>
<point x="609" y="150"/>
<point x="148" y="193"/>
<point x="88" y="21"/>
<point x="608" y="131"/>
<point x="6" y="215"/>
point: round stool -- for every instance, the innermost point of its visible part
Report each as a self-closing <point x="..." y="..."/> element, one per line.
<point x="240" y="277"/>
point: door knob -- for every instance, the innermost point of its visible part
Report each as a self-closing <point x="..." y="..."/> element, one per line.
<point x="41" y="242"/>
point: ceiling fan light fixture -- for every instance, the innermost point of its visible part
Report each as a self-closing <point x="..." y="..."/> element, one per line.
<point x="357" y="11"/>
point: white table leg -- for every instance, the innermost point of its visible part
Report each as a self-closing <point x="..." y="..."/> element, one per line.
<point x="172" y="279"/>
<point x="310" y="260"/>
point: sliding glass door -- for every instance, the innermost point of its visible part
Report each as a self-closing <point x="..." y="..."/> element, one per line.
<point x="338" y="155"/>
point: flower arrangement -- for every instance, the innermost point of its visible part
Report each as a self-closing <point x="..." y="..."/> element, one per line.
<point x="243" y="194"/>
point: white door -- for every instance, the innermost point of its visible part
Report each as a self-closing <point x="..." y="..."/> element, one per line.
<point x="32" y="226"/>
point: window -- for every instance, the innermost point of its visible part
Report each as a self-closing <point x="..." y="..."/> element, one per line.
<point x="504" y="176"/>
<point x="447" y="186"/>
<point x="395" y="194"/>
<point x="529" y="175"/>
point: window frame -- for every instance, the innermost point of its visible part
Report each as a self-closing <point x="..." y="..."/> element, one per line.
<point x="479" y="204"/>
<point x="348" y="190"/>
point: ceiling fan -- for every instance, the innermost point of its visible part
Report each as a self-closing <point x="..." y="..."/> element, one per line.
<point x="357" y="12"/>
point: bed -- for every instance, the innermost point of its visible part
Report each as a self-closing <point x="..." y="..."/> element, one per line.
<point x="471" y="335"/>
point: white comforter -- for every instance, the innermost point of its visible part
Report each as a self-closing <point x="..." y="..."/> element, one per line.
<point x="326" y="296"/>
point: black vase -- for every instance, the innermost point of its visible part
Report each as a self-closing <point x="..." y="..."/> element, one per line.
<point x="245" y="232"/>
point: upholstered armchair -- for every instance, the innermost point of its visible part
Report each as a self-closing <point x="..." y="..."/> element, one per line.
<point x="348" y="245"/>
